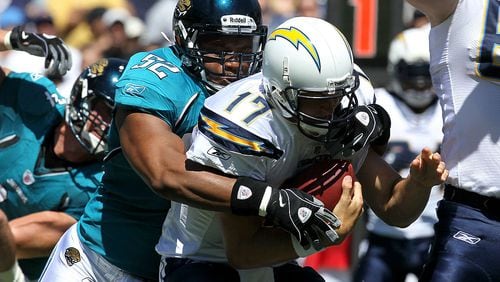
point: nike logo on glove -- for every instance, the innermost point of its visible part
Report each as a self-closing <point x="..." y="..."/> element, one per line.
<point x="282" y="204"/>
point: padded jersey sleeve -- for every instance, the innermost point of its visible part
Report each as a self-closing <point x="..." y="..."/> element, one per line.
<point x="36" y="94"/>
<point x="141" y="89"/>
<point x="154" y="82"/>
<point x="234" y="133"/>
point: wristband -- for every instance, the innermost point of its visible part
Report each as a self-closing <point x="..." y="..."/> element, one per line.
<point x="300" y="251"/>
<point x="250" y="197"/>
<point x="6" y="40"/>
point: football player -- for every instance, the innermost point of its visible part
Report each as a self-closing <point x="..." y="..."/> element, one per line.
<point x="158" y="99"/>
<point x="465" y="70"/>
<point x="309" y="102"/>
<point x="410" y="100"/>
<point x="51" y="154"/>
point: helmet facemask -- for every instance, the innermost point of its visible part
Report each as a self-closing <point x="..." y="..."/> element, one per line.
<point x="221" y="54"/>
<point x="88" y="116"/>
<point x="413" y="84"/>
<point x="408" y="67"/>
<point x="321" y="115"/>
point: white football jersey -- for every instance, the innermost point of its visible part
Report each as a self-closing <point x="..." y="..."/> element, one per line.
<point x="410" y="133"/>
<point x="239" y="134"/>
<point x="465" y="69"/>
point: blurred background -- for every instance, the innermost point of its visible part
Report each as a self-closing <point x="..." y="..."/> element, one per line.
<point x="119" y="28"/>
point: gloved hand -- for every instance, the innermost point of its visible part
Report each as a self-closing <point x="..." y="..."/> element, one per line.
<point x="56" y="53"/>
<point x="304" y="216"/>
<point x="369" y="123"/>
<point x="293" y="210"/>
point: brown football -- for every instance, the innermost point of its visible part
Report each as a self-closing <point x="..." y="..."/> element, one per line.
<point x="323" y="180"/>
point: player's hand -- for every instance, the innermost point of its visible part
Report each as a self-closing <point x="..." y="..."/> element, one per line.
<point x="368" y="123"/>
<point x="304" y="216"/>
<point x="56" y="53"/>
<point x="350" y="206"/>
<point x="295" y="211"/>
<point x="427" y="169"/>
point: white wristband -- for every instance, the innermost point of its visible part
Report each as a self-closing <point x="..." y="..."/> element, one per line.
<point x="6" y="40"/>
<point x="300" y="251"/>
<point x="265" y="200"/>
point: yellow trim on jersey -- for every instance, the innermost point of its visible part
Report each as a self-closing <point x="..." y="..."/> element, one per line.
<point x="216" y="129"/>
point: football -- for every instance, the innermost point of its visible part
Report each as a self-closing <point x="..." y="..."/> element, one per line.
<point x="323" y="180"/>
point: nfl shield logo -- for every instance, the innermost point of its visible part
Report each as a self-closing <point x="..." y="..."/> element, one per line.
<point x="28" y="177"/>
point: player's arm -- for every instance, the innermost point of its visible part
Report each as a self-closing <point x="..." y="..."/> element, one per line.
<point x="157" y="154"/>
<point x="399" y="201"/>
<point x="249" y="244"/>
<point x="436" y="11"/>
<point x="7" y="246"/>
<point x="27" y="230"/>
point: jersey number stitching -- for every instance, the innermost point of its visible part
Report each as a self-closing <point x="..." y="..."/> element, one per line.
<point x="156" y="65"/>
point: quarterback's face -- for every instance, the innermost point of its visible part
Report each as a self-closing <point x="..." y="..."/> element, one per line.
<point x="317" y="105"/>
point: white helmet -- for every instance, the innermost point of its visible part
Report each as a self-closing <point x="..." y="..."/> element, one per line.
<point x="408" y="67"/>
<point x="309" y="60"/>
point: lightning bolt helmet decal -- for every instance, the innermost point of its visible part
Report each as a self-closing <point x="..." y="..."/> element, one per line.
<point x="296" y="38"/>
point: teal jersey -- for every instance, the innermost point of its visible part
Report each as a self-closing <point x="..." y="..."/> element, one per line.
<point x="30" y="109"/>
<point x="123" y="220"/>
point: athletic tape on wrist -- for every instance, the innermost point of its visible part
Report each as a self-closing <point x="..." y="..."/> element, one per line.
<point x="6" y="40"/>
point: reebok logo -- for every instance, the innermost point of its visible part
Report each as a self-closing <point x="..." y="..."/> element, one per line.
<point x="219" y="153"/>
<point x="466" y="237"/>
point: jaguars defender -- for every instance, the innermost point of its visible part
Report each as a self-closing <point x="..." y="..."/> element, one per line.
<point x="158" y="100"/>
<point x="49" y="169"/>
<point x="309" y="101"/>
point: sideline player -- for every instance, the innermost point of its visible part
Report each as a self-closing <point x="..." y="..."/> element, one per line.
<point x="464" y="56"/>
<point x="393" y="253"/>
